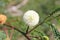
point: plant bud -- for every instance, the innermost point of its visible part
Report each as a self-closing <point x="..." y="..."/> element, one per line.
<point x="3" y="19"/>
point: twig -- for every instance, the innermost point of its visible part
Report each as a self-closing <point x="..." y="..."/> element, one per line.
<point x="27" y="30"/>
<point x="58" y="9"/>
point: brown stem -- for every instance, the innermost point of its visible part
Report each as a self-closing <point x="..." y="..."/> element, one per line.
<point x="18" y="31"/>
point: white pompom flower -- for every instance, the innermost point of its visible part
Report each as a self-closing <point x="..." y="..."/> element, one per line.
<point x="31" y="18"/>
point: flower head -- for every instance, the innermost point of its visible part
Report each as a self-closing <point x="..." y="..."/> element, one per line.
<point x="3" y="19"/>
<point x="31" y="18"/>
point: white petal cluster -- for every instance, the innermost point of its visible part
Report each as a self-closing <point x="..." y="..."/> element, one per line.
<point x="31" y="18"/>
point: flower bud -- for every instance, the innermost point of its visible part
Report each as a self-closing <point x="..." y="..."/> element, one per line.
<point x="3" y="19"/>
<point x="46" y="37"/>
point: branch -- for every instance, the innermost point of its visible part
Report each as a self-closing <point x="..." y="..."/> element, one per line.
<point x="18" y="30"/>
<point x="40" y="23"/>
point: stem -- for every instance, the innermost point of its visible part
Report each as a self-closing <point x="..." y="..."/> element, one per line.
<point x="51" y="14"/>
<point x="18" y="31"/>
<point x="27" y="30"/>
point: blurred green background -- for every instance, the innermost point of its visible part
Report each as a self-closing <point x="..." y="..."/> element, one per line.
<point x="43" y="7"/>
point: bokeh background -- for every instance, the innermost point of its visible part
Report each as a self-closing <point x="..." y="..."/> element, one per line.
<point x="43" y="7"/>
